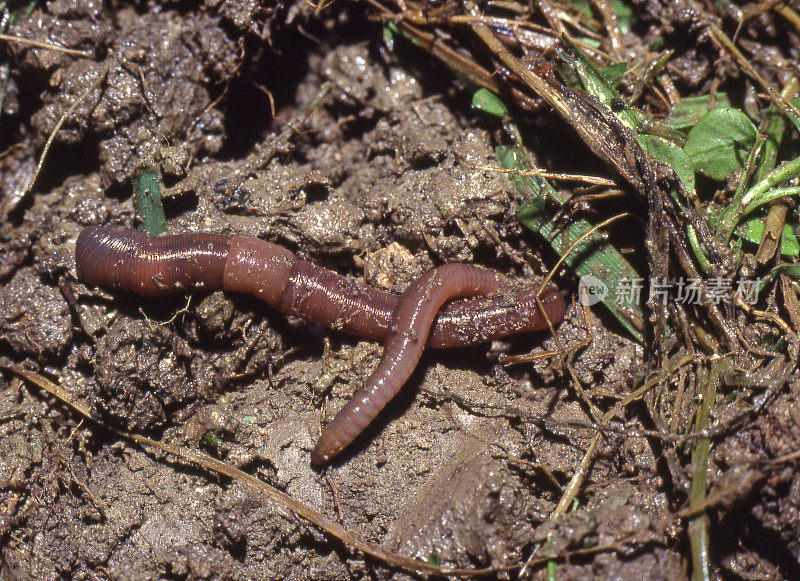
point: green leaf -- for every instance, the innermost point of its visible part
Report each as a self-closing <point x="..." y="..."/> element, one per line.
<point x="753" y="230"/>
<point x="388" y="35"/>
<point x="396" y="32"/>
<point x="688" y="111"/>
<point x="147" y="200"/>
<point x="666" y="151"/>
<point x="719" y="143"/>
<point x="790" y="270"/>
<point x="211" y="440"/>
<point x="486" y="101"/>
<point x="613" y="73"/>
<point x="795" y="121"/>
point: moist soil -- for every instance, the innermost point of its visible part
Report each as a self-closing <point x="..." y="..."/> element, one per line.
<point x="300" y="127"/>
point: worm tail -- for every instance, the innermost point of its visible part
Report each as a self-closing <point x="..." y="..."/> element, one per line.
<point x="480" y="319"/>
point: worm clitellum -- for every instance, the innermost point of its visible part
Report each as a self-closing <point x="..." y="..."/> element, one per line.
<point x="156" y="266"/>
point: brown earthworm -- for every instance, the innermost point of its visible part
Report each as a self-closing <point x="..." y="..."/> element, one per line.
<point x="156" y="266"/>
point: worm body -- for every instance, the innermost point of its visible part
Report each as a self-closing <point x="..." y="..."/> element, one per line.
<point x="408" y="334"/>
<point x="425" y="314"/>
<point x="151" y="265"/>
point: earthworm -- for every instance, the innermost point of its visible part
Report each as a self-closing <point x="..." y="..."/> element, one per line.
<point x="127" y="259"/>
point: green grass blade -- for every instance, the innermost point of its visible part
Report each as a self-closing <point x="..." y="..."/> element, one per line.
<point x="594" y="256"/>
<point x="147" y="200"/>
